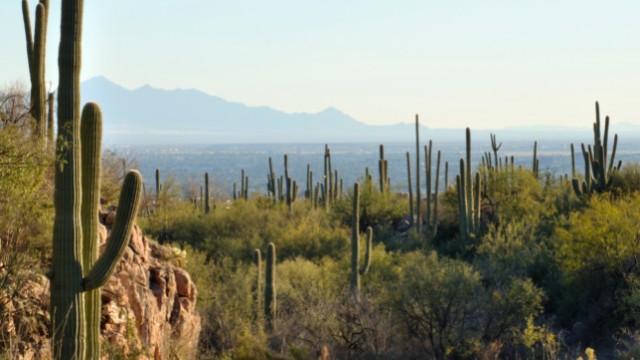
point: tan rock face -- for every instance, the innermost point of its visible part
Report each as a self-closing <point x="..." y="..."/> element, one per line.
<point x="148" y="307"/>
<point x="152" y="297"/>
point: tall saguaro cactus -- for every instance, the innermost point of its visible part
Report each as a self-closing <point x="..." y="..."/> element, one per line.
<point x="76" y="267"/>
<point x="36" y="45"/>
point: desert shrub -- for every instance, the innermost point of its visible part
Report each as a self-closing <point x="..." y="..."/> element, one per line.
<point x="626" y="181"/>
<point x="597" y="253"/>
<point x="512" y="249"/>
<point x="25" y="230"/>
<point x="236" y="230"/>
<point x="436" y="299"/>
<point x="376" y="208"/>
<point x="513" y="194"/>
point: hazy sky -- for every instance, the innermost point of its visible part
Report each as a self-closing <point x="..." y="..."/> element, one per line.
<point x="484" y="64"/>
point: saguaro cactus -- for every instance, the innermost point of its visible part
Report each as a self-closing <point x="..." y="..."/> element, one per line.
<point x="382" y="169"/>
<point x="410" y="187"/>
<point x="495" y="147"/>
<point x="157" y="185"/>
<point x="431" y="223"/>
<point x="36" y="56"/>
<point x="598" y="169"/>
<point x="74" y="253"/>
<point x="356" y="270"/>
<point x="469" y="195"/>
<point x="418" y="185"/>
<point x="257" y="257"/>
<point x="206" y="193"/>
<point x="535" y="166"/>
<point x="270" y="305"/>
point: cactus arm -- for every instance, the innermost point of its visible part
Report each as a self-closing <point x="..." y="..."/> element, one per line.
<point x="29" y="36"/>
<point x="613" y="155"/>
<point x="120" y="234"/>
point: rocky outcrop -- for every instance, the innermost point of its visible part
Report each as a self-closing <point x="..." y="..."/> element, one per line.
<point x="148" y="305"/>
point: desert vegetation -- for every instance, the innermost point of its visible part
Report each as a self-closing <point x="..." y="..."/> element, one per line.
<point x="503" y="261"/>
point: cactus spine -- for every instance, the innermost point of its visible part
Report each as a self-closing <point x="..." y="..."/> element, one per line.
<point x="270" y="288"/>
<point x="598" y="170"/>
<point x="70" y="254"/>
<point x="36" y="44"/>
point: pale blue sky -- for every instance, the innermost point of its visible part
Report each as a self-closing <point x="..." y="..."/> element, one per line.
<point x="484" y="64"/>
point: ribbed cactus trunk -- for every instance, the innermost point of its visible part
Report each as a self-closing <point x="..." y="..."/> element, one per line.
<point x="67" y="306"/>
<point x="50" y="132"/>
<point x="270" y="305"/>
<point x="91" y="141"/>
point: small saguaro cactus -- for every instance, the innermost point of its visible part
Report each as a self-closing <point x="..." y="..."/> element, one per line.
<point x="410" y="188"/>
<point x="356" y="270"/>
<point x="535" y="166"/>
<point x="431" y="223"/>
<point x="382" y="170"/>
<point x="495" y="147"/>
<point x="270" y="305"/>
<point x="36" y="45"/>
<point x="598" y="168"/>
<point x="257" y="257"/>
<point x="418" y="185"/>
<point x="469" y="195"/>
<point x="206" y="193"/>
<point x="157" y="185"/>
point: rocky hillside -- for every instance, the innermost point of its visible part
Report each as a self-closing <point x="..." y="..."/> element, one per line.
<point x="148" y="305"/>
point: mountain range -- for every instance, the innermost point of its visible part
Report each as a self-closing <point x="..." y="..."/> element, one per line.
<point x="148" y="115"/>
